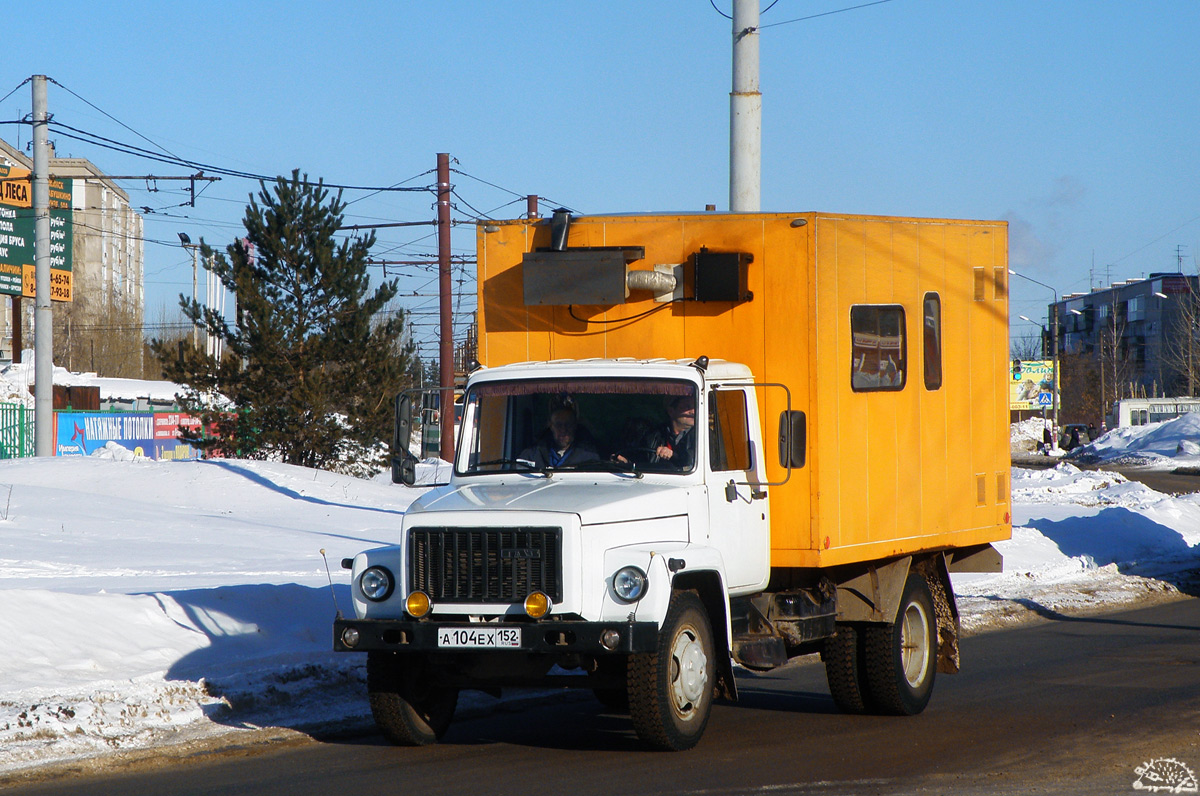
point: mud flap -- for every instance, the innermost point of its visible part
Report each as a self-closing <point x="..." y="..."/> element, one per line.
<point x="937" y="575"/>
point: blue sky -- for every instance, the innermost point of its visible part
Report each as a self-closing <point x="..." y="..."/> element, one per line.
<point x="1075" y="121"/>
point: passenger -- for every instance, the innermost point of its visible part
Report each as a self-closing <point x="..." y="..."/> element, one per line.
<point x="559" y="445"/>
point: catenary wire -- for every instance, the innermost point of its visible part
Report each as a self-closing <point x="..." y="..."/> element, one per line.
<point x="823" y="14"/>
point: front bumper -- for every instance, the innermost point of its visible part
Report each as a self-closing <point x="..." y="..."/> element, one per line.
<point x="550" y="637"/>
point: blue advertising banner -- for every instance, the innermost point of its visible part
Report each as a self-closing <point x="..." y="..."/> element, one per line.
<point x="149" y="434"/>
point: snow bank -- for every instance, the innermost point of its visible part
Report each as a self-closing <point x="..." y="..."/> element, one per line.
<point x="1084" y="539"/>
<point x="1169" y="444"/>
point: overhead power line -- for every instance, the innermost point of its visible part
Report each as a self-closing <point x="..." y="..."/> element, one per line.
<point x="95" y="139"/>
<point x="823" y="14"/>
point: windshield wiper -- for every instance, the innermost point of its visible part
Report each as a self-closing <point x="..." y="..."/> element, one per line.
<point x="521" y="463"/>
<point x="611" y="465"/>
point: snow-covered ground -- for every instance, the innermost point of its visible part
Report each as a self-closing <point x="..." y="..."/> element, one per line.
<point x="149" y="603"/>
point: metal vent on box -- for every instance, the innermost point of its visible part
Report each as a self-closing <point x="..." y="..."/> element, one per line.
<point x="721" y="276"/>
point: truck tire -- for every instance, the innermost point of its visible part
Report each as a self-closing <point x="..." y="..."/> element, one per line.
<point x="845" y="671"/>
<point x="408" y="708"/>
<point x="671" y="689"/>
<point x="901" y="658"/>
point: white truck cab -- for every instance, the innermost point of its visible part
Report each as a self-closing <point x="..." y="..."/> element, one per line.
<point x="519" y="569"/>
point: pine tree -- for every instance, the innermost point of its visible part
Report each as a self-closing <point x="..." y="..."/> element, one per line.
<point x="310" y="364"/>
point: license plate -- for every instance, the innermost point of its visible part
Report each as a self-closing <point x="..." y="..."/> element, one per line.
<point x="479" y="637"/>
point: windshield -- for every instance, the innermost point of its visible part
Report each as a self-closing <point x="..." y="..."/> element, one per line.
<point x="635" y="425"/>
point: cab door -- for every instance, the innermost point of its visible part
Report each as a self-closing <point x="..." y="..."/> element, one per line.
<point x="735" y="477"/>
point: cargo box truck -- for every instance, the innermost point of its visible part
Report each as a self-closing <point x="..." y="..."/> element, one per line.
<point x="699" y="442"/>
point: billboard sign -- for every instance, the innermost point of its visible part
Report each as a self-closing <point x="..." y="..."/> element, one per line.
<point x="18" y="235"/>
<point x="1031" y="384"/>
<point x="150" y="434"/>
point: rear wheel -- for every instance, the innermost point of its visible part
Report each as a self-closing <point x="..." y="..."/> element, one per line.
<point x="845" y="670"/>
<point x="408" y="707"/>
<point x="671" y="689"/>
<point x="901" y="658"/>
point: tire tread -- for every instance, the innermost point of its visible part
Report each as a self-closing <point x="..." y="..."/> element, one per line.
<point x="844" y="670"/>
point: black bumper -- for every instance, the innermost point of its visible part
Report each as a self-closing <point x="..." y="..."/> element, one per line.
<point x="560" y="637"/>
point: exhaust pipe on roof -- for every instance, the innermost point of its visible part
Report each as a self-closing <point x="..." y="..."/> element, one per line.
<point x="560" y="229"/>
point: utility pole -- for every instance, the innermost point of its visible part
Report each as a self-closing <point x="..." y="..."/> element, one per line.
<point x="43" y="319"/>
<point x="531" y="206"/>
<point x="745" y="112"/>
<point x="446" y="349"/>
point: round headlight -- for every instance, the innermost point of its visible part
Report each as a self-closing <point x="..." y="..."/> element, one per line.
<point x="537" y="605"/>
<point x="630" y="584"/>
<point x="376" y="584"/>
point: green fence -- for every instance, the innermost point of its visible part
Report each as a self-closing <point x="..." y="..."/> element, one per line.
<point x="16" y="431"/>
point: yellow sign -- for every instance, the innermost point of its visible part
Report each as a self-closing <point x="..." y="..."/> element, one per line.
<point x="15" y="188"/>
<point x="61" y="284"/>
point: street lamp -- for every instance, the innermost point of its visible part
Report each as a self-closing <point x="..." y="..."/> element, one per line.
<point x="1054" y="325"/>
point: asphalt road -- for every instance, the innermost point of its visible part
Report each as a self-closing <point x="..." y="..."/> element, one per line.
<point x="1068" y="705"/>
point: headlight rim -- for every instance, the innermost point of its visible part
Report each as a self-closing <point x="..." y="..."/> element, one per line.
<point x="641" y="577"/>
<point x="388" y="576"/>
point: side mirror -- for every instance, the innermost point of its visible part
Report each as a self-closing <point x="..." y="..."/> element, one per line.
<point x="402" y="425"/>
<point x="792" y="439"/>
<point x="404" y="470"/>
<point x="404" y="464"/>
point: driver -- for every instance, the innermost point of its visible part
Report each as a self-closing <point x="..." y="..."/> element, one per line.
<point x="675" y="441"/>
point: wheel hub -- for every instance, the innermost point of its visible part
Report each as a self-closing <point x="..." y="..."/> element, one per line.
<point x="914" y="644"/>
<point x="689" y="676"/>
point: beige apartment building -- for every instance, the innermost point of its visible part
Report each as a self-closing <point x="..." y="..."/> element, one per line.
<point x="101" y="328"/>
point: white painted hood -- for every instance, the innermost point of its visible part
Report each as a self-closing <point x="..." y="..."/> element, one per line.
<point x="595" y="503"/>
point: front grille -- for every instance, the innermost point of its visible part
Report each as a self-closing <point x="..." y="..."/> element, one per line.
<point x="485" y="565"/>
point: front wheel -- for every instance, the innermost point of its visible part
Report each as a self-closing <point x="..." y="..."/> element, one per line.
<point x="901" y="658"/>
<point x="409" y="708"/>
<point x="671" y="689"/>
